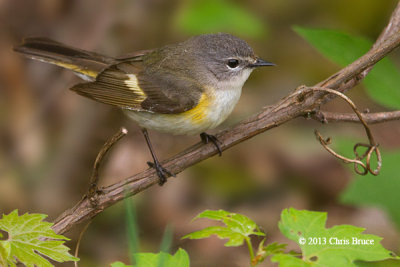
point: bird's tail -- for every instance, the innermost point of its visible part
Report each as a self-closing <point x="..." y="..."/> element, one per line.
<point x="84" y="63"/>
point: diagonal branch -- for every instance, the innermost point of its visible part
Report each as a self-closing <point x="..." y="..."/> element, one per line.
<point x="392" y="29"/>
<point x="294" y="105"/>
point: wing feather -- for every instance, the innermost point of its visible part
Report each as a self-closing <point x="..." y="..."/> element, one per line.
<point x="128" y="86"/>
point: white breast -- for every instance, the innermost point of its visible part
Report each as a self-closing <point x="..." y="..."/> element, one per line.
<point x="226" y="97"/>
<point x="224" y="102"/>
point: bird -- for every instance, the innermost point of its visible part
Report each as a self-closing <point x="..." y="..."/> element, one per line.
<point x="184" y="88"/>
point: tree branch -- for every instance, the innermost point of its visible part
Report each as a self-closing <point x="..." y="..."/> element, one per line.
<point x="370" y="118"/>
<point x="392" y="29"/>
<point x="294" y="105"/>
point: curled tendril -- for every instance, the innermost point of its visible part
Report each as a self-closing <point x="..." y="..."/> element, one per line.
<point x="359" y="166"/>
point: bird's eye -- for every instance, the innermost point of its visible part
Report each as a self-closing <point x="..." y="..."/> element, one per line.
<point x="233" y="63"/>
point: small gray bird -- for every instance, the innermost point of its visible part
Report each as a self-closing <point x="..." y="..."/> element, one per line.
<point x="184" y="88"/>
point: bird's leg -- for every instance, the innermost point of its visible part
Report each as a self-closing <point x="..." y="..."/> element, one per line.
<point x="206" y="138"/>
<point x="161" y="171"/>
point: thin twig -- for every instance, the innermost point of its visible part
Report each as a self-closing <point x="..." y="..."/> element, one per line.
<point x="94" y="179"/>
<point x="370" y="118"/>
<point x="269" y="117"/>
<point x="79" y="241"/>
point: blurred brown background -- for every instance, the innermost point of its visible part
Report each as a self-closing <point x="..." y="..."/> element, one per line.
<point x="49" y="136"/>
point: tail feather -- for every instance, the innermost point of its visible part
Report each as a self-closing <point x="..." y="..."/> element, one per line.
<point x="83" y="62"/>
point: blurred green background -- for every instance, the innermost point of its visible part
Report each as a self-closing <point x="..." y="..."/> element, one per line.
<point x="49" y="136"/>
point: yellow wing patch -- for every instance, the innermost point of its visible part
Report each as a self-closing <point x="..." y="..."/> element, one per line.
<point x="132" y="84"/>
<point x="199" y="113"/>
<point x="75" y="68"/>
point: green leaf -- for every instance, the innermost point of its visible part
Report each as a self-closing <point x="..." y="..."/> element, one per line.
<point x="382" y="83"/>
<point x="385" y="263"/>
<point x="274" y="248"/>
<point x="382" y="191"/>
<point x="120" y="264"/>
<point x="268" y="250"/>
<point x="237" y="227"/>
<point x="29" y="239"/>
<point x="235" y="239"/>
<point x="180" y="259"/>
<point x="323" y="246"/>
<point x="217" y="215"/>
<point x="289" y="260"/>
<point x="205" y="16"/>
<point x="337" y="46"/>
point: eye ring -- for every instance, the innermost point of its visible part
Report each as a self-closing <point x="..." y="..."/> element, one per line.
<point x="232" y="63"/>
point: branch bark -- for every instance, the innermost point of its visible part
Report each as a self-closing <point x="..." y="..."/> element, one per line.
<point x="370" y="118"/>
<point x="294" y="105"/>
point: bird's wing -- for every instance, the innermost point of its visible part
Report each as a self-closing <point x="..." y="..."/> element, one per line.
<point x="129" y="86"/>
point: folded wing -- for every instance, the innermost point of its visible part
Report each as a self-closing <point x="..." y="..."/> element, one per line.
<point x="129" y="86"/>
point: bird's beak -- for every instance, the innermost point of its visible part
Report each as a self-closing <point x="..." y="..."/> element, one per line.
<point x="260" y="63"/>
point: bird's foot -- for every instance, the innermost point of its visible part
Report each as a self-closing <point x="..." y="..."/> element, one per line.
<point x="162" y="173"/>
<point x="206" y="138"/>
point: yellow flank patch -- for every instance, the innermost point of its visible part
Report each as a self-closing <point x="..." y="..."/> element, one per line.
<point x="132" y="84"/>
<point x="75" y="68"/>
<point x="199" y="112"/>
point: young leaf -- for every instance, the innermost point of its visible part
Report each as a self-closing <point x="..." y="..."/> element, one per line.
<point x="180" y="259"/>
<point x="289" y="260"/>
<point x="340" y="245"/>
<point x="237" y="227"/>
<point x="382" y="82"/>
<point x="29" y="239"/>
<point x="120" y="264"/>
<point x="265" y="251"/>
<point x="274" y="248"/>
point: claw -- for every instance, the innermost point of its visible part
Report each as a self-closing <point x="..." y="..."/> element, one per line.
<point x="206" y="138"/>
<point x="162" y="173"/>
